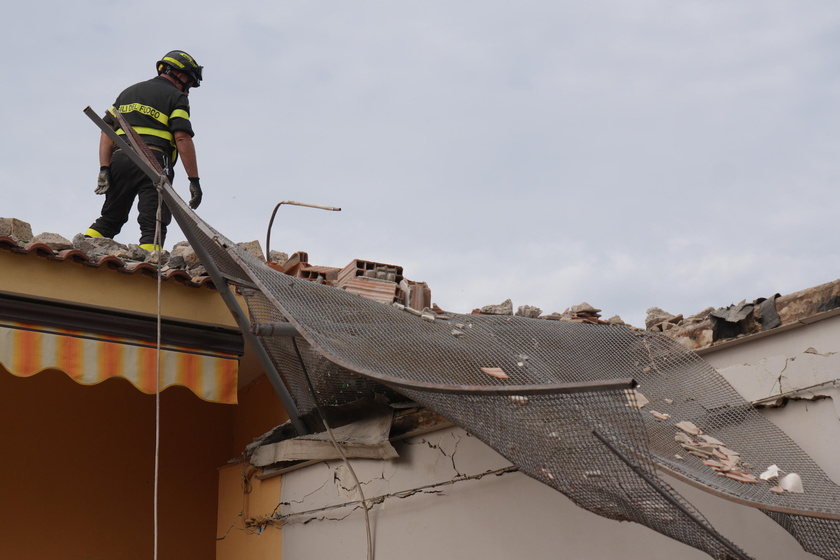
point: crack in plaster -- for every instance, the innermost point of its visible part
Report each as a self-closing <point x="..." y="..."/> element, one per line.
<point x="441" y="450"/>
<point x="403" y="494"/>
<point x="229" y="529"/>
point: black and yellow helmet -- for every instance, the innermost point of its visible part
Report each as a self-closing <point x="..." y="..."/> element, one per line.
<point x="182" y="62"/>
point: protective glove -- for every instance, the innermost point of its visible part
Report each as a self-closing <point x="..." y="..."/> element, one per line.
<point x="195" y="192"/>
<point x="103" y="182"/>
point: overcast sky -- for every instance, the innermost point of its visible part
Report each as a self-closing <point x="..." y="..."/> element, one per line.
<point x="629" y="154"/>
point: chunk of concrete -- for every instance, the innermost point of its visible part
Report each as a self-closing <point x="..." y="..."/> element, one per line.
<point x="504" y="308"/>
<point x="53" y="241"/>
<point x="655" y="316"/>
<point x="528" y="311"/>
<point x="17" y="229"/>
<point x="254" y="248"/>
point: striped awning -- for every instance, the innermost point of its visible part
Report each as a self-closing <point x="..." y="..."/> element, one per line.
<point x="88" y="358"/>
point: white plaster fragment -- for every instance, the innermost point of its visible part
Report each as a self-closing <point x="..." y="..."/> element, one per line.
<point x="771" y="473"/>
<point x="792" y="483"/>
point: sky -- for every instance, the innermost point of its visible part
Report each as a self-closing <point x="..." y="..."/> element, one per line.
<point x="680" y="155"/>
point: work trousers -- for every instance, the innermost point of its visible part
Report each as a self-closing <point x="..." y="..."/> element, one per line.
<point x="127" y="183"/>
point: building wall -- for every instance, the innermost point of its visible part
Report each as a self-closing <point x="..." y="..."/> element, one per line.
<point x="798" y="358"/>
<point x="78" y="467"/>
<point x="243" y="497"/>
<point x="513" y="516"/>
<point x="494" y="518"/>
<point x="78" y="461"/>
<point x="34" y="276"/>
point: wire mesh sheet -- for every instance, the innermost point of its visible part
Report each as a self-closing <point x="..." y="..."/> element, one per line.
<point x="355" y="346"/>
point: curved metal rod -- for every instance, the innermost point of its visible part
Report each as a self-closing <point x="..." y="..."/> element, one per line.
<point x="667" y="496"/>
<point x="294" y="203"/>
<point x="743" y="501"/>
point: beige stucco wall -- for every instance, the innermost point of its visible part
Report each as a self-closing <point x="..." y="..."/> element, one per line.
<point x="34" y="276"/>
<point x="241" y="497"/>
<point x="78" y="467"/>
<point x="78" y="461"/>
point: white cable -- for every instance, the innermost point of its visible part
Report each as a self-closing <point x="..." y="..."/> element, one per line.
<point x="363" y="500"/>
<point x="338" y="448"/>
<point x="157" y="243"/>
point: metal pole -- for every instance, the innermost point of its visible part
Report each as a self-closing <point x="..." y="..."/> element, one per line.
<point x="294" y="203"/>
<point x="671" y="499"/>
<point x="215" y="274"/>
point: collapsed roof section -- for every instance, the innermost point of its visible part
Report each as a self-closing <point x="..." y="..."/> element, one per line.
<point x="549" y="396"/>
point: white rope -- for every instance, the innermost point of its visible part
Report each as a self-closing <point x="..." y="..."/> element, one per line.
<point x="323" y="415"/>
<point x="158" y="250"/>
<point x="358" y="484"/>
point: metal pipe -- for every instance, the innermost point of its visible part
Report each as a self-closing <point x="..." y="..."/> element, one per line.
<point x="213" y="271"/>
<point x="669" y="498"/>
<point x="239" y="316"/>
<point x="293" y="203"/>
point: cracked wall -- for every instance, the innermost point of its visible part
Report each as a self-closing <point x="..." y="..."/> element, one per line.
<point x="495" y="517"/>
<point x="418" y="512"/>
<point x="794" y="376"/>
<point x="796" y="364"/>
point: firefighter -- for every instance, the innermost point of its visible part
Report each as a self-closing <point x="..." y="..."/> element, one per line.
<point x="159" y="111"/>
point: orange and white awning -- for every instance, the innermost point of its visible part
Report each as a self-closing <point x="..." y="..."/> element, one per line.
<point x="27" y="349"/>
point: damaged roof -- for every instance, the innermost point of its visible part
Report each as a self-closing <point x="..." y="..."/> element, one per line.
<point x="724" y="326"/>
<point x="711" y="328"/>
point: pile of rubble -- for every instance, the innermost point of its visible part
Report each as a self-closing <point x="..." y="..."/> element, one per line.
<point x="582" y="313"/>
<point x="378" y="281"/>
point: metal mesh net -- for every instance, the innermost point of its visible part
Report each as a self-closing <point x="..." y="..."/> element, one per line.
<point x="598" y="447"/>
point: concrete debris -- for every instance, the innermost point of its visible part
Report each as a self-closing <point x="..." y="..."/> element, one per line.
<point x="746" y="318"/>
<point x="95" y="247"/>
<point x="698" y="317"/>
<point x="616" y="320"/>
<point x="792" y="483"/>
<point x="278" y="257"/>
<point x="254" y="248"/>
<point x="771" y="473"/>
<point x="554" y="317"/>
<point x="197" y="271"/>
<point x="528" y="311"/>
<point x="661" y="416"/>
<point x="498" y="373"/>
<point x="504" y="308"/>
<point x="584" y="308"/>
<point x="582" y="313"/>
<point x="183" y="256"/>
<point x="656" y="316"/>
<point x="17" y="229"/>
<point x="658" y="320"/>
<point x="153" y="257"/>
<point x="53" y="241"/>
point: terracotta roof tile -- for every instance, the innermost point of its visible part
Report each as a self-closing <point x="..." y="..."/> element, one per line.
<point x="72" y="255"/>
<point x="106" y="261"/>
